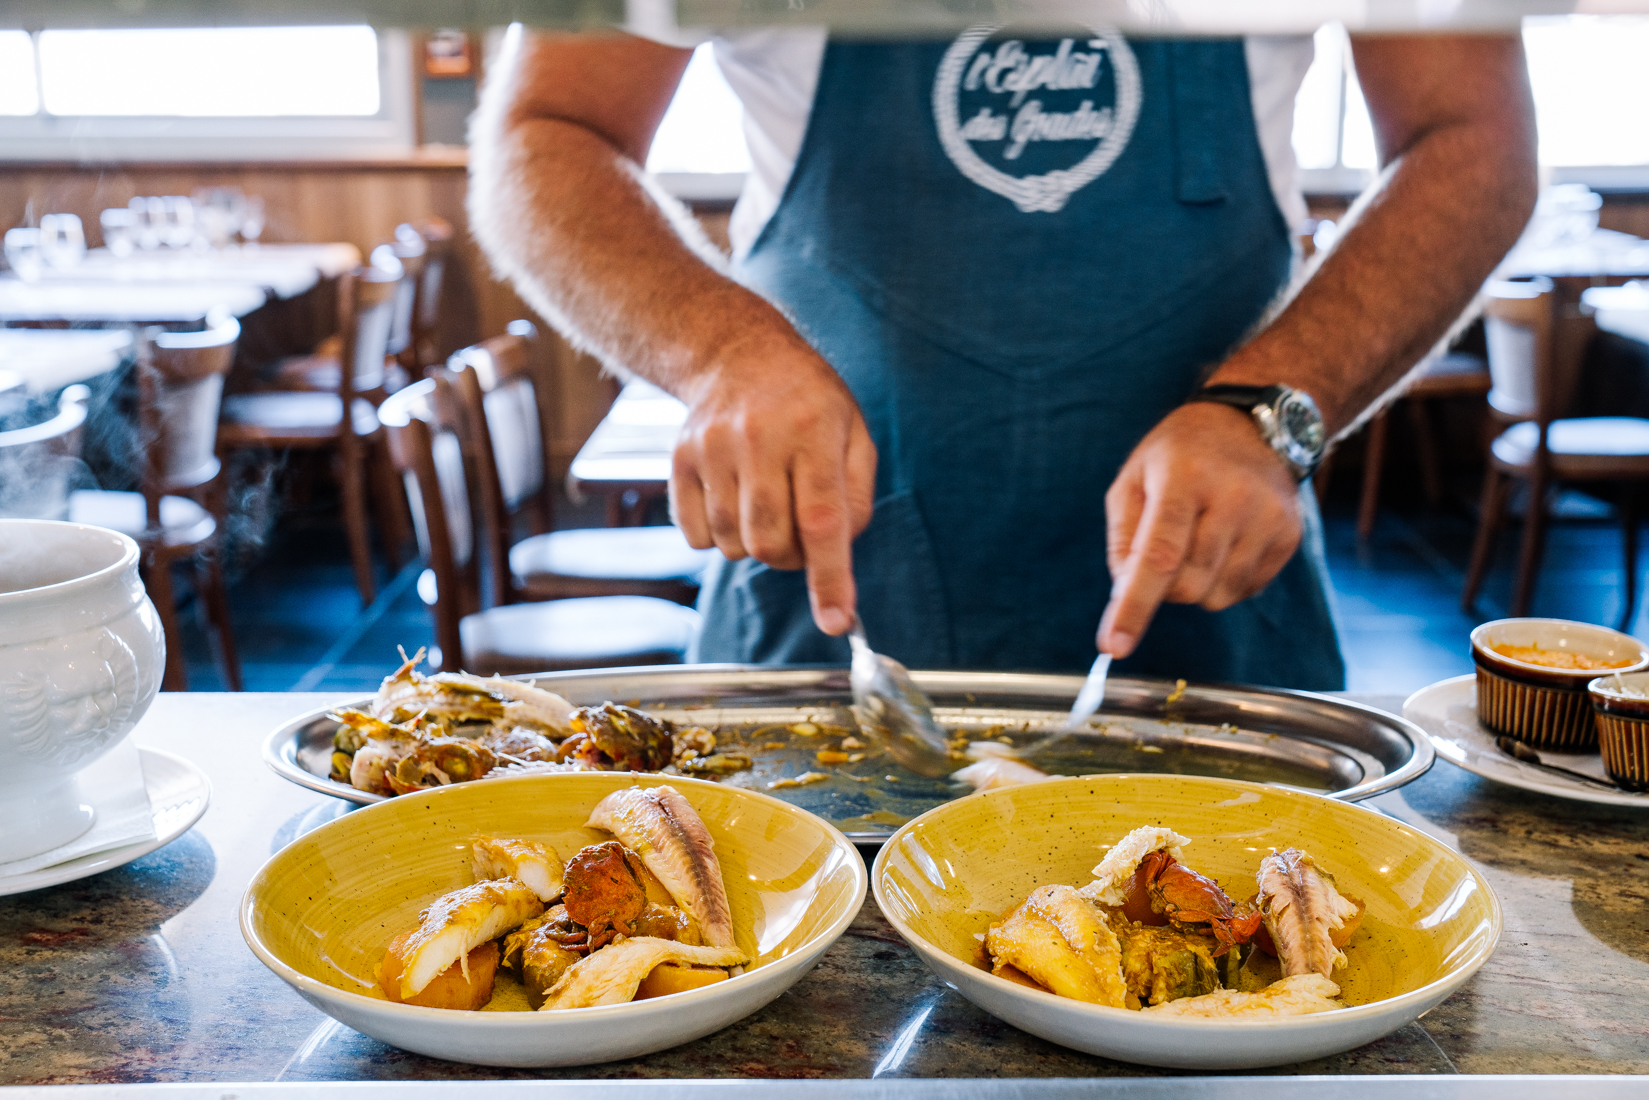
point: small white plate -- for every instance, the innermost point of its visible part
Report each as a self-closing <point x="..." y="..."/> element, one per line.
<point x="178" y="794"/>
<point x="1447" y="711"/>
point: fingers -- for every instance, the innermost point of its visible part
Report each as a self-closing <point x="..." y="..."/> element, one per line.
<point x="1157" y="550"/>
<point x="1123" y="505"/>
<point x="687" y="501"/>
<point x="824" y="525"/>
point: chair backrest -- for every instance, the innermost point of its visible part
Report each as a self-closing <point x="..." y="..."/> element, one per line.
<point x="423" y="350"/>
<point x="180" y="387"/>
<point x="507" y="421"/>
<point x="410" y="250"/>
<point x="39" y="464"/>
<point x="1518" y="327"/>
<point x="366" y="319"/>
<point x="424" y="422"/>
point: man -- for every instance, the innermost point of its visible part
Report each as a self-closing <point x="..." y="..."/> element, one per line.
<point x="957" y="370"/>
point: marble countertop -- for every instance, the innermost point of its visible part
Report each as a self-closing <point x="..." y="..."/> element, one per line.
<point x="140" y="974"/>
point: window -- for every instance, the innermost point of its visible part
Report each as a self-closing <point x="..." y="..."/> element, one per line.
<point x="699" y="150"/>
<point x="209" y="93"/>
<point x="1584" y="70"/>
<point x="19" y="92"/>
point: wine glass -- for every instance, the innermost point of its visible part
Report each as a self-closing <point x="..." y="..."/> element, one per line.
<point x="251" y="224"/>
<point x="119" y="230"/>
<point x="62" y="240"/>
<point x="150" y="212"/>
<point x="22" y="247"/>
<point x="179" y="231"/>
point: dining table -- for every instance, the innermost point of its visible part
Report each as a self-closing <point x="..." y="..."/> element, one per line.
<point x="627" y="459"/>
<point x="139" y="974"/>
<point x="44" y="360"/>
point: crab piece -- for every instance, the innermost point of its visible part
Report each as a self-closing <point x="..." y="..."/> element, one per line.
<point x="718" y="763"/>
<point x="1163" y="964"/>
<point x="614" y="737"/>
<point x="536" y="951"/>
<point x="604" y="891"/>
<point x="520" y="745"/>
<point x="1166" y="891"/>
<point x="452" y="699"/>
<point x="372" y="766"/>
<point x="438" y="761"/>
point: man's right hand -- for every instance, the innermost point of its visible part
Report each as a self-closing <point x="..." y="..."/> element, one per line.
<point x="775" y="463"/>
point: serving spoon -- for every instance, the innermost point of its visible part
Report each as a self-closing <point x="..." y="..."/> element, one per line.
<point x="891" y="709"/>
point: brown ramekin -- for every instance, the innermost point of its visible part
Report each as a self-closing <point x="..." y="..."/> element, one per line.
<point x="1545" y="707"/>
<point x="1621" y="705"/>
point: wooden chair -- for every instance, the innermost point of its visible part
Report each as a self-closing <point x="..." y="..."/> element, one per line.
<point x="1452" y="375"/>
<point x="423" y="347"/>
<point x="424" y="421"/>
<point x="38" y="463"/>
<point x="295" y="419"/>
<point x="1541" y="448"/>
<point x="179" y="386"/>
<point x="506" y="422"/>
<point x="320" y="371"/>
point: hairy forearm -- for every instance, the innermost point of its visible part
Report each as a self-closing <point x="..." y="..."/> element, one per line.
<point x="621" y="270"/>
<point x="1412" y="255"/>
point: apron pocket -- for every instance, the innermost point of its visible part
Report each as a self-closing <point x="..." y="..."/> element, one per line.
<point x="901" y="599"/>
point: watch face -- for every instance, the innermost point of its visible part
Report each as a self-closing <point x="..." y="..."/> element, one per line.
<point x="1302" y="425"/>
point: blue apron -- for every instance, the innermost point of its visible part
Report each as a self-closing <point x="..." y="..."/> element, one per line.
<point x="1021" y="256"/>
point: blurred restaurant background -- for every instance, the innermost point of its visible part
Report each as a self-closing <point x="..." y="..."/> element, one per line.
<point x="227" y="249"/>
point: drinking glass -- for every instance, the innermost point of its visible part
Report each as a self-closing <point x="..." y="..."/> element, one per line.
<point x="22" y="246"/>
<point x="62" y="240"/>
<point x="119" y="230"/>
<point x="179" y="231"/>
<point x="251" y="225"/>
<point x="150" y="213"/>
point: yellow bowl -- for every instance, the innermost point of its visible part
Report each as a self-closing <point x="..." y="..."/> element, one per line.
<point x="321" y="912"/>
<point x="1431" y="919"/>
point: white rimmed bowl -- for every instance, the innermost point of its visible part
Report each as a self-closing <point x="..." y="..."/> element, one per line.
<point x="322" y="910"/>
<point x="1431" y="920"/>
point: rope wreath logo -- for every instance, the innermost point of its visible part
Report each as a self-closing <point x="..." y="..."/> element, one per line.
<point x="1002" y="104"/>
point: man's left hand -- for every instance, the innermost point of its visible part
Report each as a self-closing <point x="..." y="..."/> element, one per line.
<point x="1204" y="512"/>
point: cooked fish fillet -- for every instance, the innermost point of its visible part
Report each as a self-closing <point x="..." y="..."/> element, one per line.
<point x="1111" y="877"/>
<point x="527" y="861"/>
<point x="999" y="771"/>
<point x="1308" y="919"/>
<point x="1058" y="938"/>
<point x="610" y="976"/>
<point x="1293" y="996"/>
<point x="662" y="827"/>
<point x="456" y="923"/>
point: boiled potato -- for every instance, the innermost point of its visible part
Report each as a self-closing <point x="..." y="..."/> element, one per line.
<point x="670" y="978"/>
<point x="449" y="989"/>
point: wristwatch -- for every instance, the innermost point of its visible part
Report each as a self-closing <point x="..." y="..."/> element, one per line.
<point x="1287" y="418"/>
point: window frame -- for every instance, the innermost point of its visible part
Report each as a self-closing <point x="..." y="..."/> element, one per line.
<point x="389" y="134"/>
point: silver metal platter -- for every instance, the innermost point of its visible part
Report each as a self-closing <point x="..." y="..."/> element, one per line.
<point x="1292" y="738"/>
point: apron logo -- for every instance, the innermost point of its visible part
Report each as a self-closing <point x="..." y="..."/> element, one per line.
<point x="1031" y="110"/>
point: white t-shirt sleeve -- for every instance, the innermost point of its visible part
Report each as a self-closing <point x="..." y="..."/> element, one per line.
<point x="1277" y="65"/>
<point x="775" y="73"/>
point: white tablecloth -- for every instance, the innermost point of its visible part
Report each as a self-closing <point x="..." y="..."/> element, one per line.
<point x="49" y="359"/>
<point x="284" y="270"/>
<point x="108" y="301"/>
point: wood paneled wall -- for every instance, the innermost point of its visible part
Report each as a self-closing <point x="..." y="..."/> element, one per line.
<point x="359" y="203"/>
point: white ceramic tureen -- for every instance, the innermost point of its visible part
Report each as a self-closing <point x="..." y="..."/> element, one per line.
<point x="81" y="655"/>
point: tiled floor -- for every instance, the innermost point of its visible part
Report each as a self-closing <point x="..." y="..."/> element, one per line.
<point x="299" y="622"/>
